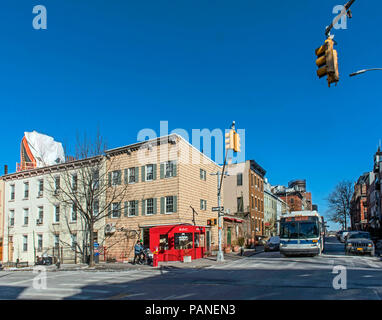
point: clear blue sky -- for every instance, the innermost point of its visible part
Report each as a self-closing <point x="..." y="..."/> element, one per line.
<point x="126" y="65"/>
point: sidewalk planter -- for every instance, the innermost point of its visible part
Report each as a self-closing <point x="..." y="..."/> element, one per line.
<point x="227" y="250"/>
<point x="187" y="259"/>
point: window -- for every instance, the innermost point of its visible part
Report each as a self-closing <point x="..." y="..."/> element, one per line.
<point x="39" y="242"/>
<point x="198" y="240"/>
<point x="203" y="204"/>
<point x="252" y="202"/>
<point x="239" y="179"/>
<point x="163" y="242"/>
<point x="170" y="169"/>
<point x="57" y="213"/>
<point x="40" y="188"/>
<point x="169" y="204"/>
<point x="150" y="206"/>
<point x="56" y="240"/>
<point x="11" y="218"/>
<point x="74" y="182"/>
<point x="57" y="184"/>
<point x="149" y="172"/>
<point x="73" y="238"/>
<point x="240" y="204"/>
<point x="26" y="216"/>
<point x="183" y="241"/>
<point x="12" y="192"/>
<point x="132" y="208"/>
<point x="95" y="179"/>
<point x="115" y="177"/>
<point x="74" y="212"/>
<point x="25" y="243"/>
<point x="132" y="177"/>
<point x="40" y="215"/>
<point x="116" y="208"/>
<point x="95" y="208"/>
<point x="203" y="174"/>
<point x="26" y="190"/>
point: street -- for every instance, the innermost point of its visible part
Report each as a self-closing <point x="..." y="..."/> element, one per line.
<point x="263" y="276"/>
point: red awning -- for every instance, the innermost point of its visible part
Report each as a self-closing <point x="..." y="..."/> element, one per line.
<point x="233" y="219"/>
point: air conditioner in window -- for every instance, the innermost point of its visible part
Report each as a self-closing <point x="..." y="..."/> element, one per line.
<point x="38" y="221"/>
<point x="172" y="140"/>
<point x="40" y="193"/>
<point x="110" y="229"/>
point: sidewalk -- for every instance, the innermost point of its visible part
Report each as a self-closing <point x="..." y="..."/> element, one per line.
<point x="118" y="266"/>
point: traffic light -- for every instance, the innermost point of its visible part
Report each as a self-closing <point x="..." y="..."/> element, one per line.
<point x="327" y="62"/>
<point x="211" y="222"/>
<point x="236" y="146"/>
<point x="229" y="139"/>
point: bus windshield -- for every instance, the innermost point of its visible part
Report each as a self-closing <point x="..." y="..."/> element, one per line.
<point x="299" y="230"/>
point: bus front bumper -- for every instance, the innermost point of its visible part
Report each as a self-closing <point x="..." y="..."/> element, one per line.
<point x="300" y="251"/>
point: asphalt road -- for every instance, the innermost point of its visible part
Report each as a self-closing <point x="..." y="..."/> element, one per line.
<point x="263" y="276"/>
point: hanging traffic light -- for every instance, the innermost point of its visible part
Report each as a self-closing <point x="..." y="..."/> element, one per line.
<point x="327" y="62"/>
<point x="236" y="146"/>
<point x="229" y="139"/>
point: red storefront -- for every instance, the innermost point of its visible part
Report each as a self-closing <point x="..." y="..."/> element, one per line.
<point x="173" y="242"/>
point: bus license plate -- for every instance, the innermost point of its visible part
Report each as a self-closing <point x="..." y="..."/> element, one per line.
<point x="360" y="249"/>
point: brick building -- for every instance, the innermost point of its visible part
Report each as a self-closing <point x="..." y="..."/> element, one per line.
<point x="358" y="204"/>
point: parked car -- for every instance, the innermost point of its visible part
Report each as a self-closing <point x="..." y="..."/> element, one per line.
<point x="359" y="243"/>
<point x="273" y="244"/>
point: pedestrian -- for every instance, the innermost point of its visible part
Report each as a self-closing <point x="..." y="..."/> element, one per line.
<point x="138" y="248"/>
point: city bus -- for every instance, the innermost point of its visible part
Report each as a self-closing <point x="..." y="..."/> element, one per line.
<point x="302" y="233"/>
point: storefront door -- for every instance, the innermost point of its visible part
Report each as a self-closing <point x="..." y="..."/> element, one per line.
<point x="229" y="236"/>
<point x="208" y="240"/>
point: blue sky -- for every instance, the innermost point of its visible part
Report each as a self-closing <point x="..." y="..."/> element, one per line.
<point x="126" y="65"/>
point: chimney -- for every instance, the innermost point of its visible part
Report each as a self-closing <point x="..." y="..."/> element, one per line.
<point x="5" y="169"/>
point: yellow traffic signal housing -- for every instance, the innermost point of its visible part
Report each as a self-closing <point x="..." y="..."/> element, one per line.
<point x="229" y="139"/>
<point x="327" y="62"/>
<point x="236" y="146"/>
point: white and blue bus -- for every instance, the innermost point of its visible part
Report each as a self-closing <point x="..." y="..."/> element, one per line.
<point x="302" y="233"/>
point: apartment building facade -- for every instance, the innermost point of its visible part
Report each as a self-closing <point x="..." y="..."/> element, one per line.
<point x="358" y="204"/>
<point x="244" y="200"/>
<point x="35" y="222"/>
<point x="1" y="218"/>
<point x="169" y="200"/>
<point x="270" y="210"/>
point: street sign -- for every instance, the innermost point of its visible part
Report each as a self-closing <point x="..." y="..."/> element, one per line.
<point x="217" y="208"/>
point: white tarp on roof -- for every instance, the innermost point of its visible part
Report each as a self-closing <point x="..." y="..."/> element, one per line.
<point x="45" y="150"/>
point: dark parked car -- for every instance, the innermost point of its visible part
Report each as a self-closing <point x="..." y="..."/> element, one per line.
<point x="273" y="244"/>
<point x="359" y="243"/>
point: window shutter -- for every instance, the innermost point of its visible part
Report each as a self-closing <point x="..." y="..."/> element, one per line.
<point x="136" y="174"/>
<point x="154" y="171"/>
<point x="109" y="210"/>
<point x="174" y="168"/>
<point x="201" y="204"/>
<point x="162" y="170"/>
<point x="143" y="173"/>
<point x="109" y="179"/>
<point x="119" y="177"/>
<point x="126" y="176"/>
<point x="175" y="202"/>
<point x="162" y="205"/>
<point x="143" y="207"/>
<point x="119" y="209"/>
<point x="201" y="174"/>
<point x="155" y="206"/>
<point x="126" y="209"/>
<point x="136" y="207"/>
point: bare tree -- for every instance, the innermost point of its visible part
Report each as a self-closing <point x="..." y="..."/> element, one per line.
<point x="339" y="203"/>
<point x="83" y="184"/>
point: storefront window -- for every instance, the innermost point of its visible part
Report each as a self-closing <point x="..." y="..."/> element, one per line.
<point x="163" y="242"/>
<point x="183" y="240"/>
<point x="197" y="240"/>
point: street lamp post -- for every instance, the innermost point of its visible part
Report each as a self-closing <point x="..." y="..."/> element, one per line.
<point x="363" y="71"/>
